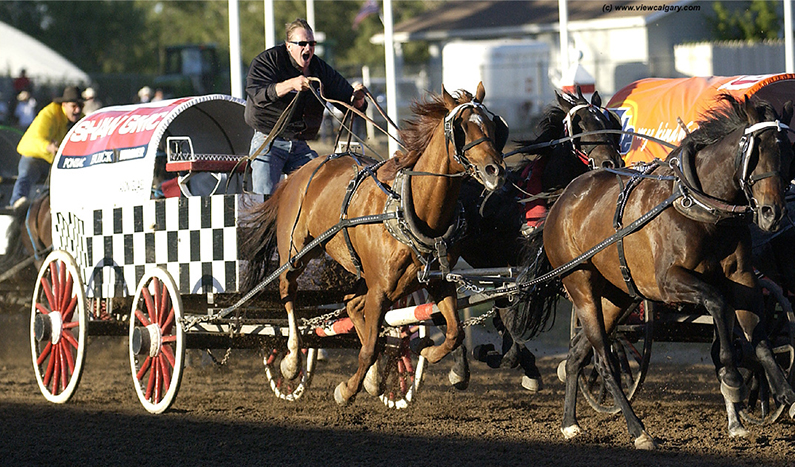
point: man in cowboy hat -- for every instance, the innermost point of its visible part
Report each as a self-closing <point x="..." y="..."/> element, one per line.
<point x="42" y="139"/>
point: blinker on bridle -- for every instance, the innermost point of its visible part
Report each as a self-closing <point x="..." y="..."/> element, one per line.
<point x="449" y="129"/>
<point x="568" y="128"/>
<point x="743" y="160"/>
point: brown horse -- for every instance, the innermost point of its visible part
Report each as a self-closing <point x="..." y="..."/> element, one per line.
<point x="448" y="138"/>
<point x="740" y="158"/>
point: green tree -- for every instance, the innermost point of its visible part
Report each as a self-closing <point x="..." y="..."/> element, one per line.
<point x="120" y="36"/>
<point x="97" y="36"/>
<point x="746" y="21"/>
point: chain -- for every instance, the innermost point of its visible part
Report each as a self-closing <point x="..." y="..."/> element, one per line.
<point x="318" y="321"/>
<point x="223" y="360"/>
<point x="464" y="284"/>
<point x="478" y="320"/>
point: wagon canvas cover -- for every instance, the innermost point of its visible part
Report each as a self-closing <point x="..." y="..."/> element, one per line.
<point x="107" y="216"/>
<point x="651" y="106"/>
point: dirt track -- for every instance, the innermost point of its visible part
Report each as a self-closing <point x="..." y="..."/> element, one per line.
<point x="227" y="416"/>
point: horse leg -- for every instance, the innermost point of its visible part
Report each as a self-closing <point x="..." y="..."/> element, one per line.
<point x="579" y="351"/>
<point x="595" y="316"/>
<point x="355" y="308"/>
<point x="375" y="305"/>
<point x="515" y="354"/>
<point x="735" y="425"/>
<point x="680" y="285"/>
<point x="459" y="373"/>
<point x="291" y="363"/>
<point x="764" y="355"/>
<point x="453" y="336"/>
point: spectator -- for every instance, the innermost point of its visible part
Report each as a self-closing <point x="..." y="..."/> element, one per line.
<point x="40" y="142"/>
<point x="3" y="109"/>
<point x="92" y="104"/>
<point x="158" y="95"/>
<point x="25" y="111"/>
<point x="144" y="94"/>
<point x="22" y="82"/>
<point x="275" y="77"/>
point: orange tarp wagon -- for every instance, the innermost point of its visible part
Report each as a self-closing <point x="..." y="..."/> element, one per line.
<point x="651" y="106"/>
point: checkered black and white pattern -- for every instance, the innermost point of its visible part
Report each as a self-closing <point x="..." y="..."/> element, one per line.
<point x="194" y="238"/>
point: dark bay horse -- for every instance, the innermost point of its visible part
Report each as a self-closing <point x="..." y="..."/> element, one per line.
<point x="737" y="163"/>
<point x="447" y="138"/>
<point x="494" y="221"/>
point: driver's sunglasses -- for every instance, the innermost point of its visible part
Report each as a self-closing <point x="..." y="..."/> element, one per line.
<point x="303" y="43"/>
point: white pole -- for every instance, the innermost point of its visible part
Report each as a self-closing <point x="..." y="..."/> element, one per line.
<point x="563" y="11"/>
<point x="270" y="30"/>
<point x="789" y="60"/>
<point x="310" y="13"/>
<point x="391" y="87"/>
<point x="369" y="112"/>
<point x="235" y="73"/>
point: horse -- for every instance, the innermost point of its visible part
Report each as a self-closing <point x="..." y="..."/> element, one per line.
<point x="494" y="235"/>
<point x="447" y="138"/>
<point x="732" y="169"/>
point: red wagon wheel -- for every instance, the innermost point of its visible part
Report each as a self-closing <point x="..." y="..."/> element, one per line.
<point x="157" y="341"/>
<point x="288" y="389"/>
<point x="402" y="371"/>
<point x="58" y="327"/>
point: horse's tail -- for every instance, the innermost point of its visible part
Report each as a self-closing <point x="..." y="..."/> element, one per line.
<point x="258" y="240"/>
<point x="526" y="317"/>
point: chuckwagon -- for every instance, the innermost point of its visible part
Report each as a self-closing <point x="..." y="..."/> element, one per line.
<point x="146" y="202"/>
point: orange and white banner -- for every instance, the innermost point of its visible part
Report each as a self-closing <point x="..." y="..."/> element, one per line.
<point x="651" y="107"/>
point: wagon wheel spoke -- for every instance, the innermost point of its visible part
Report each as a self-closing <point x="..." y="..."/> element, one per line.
<point x="288" y="389"/>
<point x="58" y="327"/>
<point x="157" y="342"/>
<point x="401" y="370"/>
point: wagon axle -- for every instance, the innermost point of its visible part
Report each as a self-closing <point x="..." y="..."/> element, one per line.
<point x="48" y="327"/>
<point x="146" y="340"/>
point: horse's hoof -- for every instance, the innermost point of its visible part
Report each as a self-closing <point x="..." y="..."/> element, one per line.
<point x="733" y="394"/>
<point x="371" y="381"/>
<point x="792" y="411"/>
<point x="732" y="386"/>
<point x="562" y="371"/>
<point x="417" y="345"/>
<point x="460" y="382"/>
<point x="290" y="367"/>
<point x="645" y="442"/>
<point x="532" y="384"/>
<point x="338" y="397"/>
<point x="571" y="431"/>
<point x="738" y="431"/>
<point x="459" y="373"/>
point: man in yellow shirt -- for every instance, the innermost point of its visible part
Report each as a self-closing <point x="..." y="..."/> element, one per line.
<point x="42" y="139"/>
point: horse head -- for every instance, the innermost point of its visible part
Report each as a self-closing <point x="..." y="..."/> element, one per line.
<point x="476" y="138"/>
<point x="764" y="164"/>
<point x="600" y="150"/>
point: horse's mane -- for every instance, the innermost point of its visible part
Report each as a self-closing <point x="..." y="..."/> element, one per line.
<point x="418" y="130"/>
<point x="551" y="124"/>
<point x="721" y="120"/>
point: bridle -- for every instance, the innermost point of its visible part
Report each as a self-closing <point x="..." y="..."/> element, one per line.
<point x="452" y="125"/>
<point x="743" y="162"/>
<point x="568" y="128"/>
